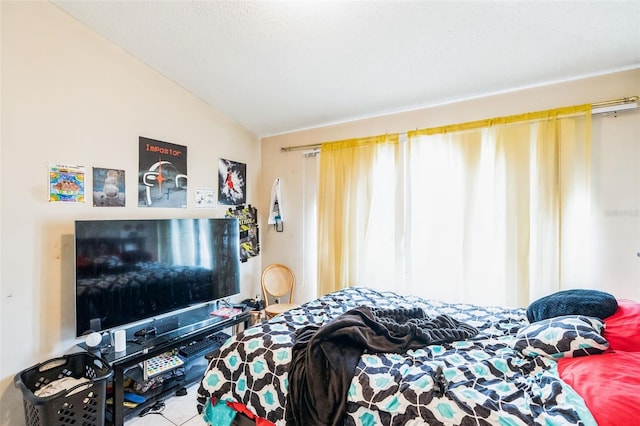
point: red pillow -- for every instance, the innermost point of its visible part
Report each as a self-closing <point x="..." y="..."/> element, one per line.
<point x="622" y="329"/>
<point x="609" y="383"/>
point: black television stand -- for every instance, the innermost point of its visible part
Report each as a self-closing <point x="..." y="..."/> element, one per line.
<point x="142" y="348"/>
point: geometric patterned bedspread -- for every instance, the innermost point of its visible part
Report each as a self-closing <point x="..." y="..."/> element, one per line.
<point x="487" y="381"/>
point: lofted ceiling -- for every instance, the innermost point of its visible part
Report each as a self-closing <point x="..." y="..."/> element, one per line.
<point x="280" y="66"/>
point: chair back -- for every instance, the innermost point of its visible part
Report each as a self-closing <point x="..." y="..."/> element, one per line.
<point x="277" y="281"/>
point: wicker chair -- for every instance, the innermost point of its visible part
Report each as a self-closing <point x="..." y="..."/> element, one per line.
<point x="277" y="281"/>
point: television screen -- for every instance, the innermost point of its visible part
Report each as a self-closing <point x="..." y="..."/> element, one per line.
<point x="131" y="270"/>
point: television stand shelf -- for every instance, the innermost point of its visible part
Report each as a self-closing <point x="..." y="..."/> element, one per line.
<point x="127" y="364"/>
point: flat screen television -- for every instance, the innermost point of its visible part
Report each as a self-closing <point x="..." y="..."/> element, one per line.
<point x="127" y="271"/>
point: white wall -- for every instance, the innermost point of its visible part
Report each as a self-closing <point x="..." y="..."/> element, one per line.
<point x="70" y="96"/>
<point x="615" y="179"/>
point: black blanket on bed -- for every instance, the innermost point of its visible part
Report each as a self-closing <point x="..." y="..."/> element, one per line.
<point x="324" y="358"/>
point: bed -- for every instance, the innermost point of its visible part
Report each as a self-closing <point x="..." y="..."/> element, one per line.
<point x="492" y="367"/>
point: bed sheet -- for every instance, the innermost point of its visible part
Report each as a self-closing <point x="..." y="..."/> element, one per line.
<point x="487" y="381"/>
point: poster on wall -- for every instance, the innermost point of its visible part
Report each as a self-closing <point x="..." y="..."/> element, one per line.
<point x="249" y="232"/>
<point x="205" y="198"/>
<point x="162" y="175"/>
<point x="108" y="187"/>
<point x="231" y="182"/>
<point x="66" y="183"/>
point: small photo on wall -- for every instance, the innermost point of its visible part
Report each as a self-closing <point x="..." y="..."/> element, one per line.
<point x="108" y="187"/>
<point x="205" y="198"/>
<point x="66" y="183"/>
<point x="231" y="182"/>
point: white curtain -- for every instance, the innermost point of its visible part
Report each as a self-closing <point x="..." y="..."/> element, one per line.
<point x="489" y="214"/>
<point x="308" y="282"/>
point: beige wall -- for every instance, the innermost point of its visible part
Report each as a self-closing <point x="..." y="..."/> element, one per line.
<point x="615" y="171"/>
<point x="70" y="96"/>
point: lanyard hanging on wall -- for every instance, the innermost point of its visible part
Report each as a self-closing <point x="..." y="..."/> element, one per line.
<point x="275" y="207"/>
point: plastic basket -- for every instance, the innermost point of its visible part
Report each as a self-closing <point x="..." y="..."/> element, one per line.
<point x="83" y="404"/>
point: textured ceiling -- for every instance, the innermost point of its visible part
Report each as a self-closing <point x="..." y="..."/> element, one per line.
<point x="280" y="66"/>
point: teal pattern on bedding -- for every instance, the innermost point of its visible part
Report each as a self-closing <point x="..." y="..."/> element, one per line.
<point x="486" y="381"/>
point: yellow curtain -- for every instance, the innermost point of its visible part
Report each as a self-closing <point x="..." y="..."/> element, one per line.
<point x="489" y="212"/>
<point x="502" y="220"/>
<point x="345" y="191"/>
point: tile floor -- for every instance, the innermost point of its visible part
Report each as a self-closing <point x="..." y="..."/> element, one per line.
<point x="178" y="411"/>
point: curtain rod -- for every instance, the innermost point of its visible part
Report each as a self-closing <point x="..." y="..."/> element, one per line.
<point x="603" y="107"/>
<point x="630" y="102"/>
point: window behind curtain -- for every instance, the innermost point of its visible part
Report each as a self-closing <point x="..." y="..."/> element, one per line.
<point x="490" y="215"/>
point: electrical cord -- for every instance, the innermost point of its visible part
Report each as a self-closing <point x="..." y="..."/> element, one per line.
<point x="159" y="405"/>
<point x="156" y="408"/>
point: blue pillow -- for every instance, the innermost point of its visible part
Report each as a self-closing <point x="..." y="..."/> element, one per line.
<point x="562" y="337"/>
<point x="590" y="303"/>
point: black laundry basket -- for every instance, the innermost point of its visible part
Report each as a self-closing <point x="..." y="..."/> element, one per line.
<point x="83" y="404"/>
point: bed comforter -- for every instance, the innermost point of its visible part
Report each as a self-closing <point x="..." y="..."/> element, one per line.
<point x="483" y="380"/>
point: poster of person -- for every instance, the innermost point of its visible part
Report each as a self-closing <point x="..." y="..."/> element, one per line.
<point x="231" y="183"/>
<point x="162" y="175"/>
<point x="205" y="198"/>
<point x="108" y="187"/>
<point x="66" y="183"/>
<point x="249" y="232"/>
